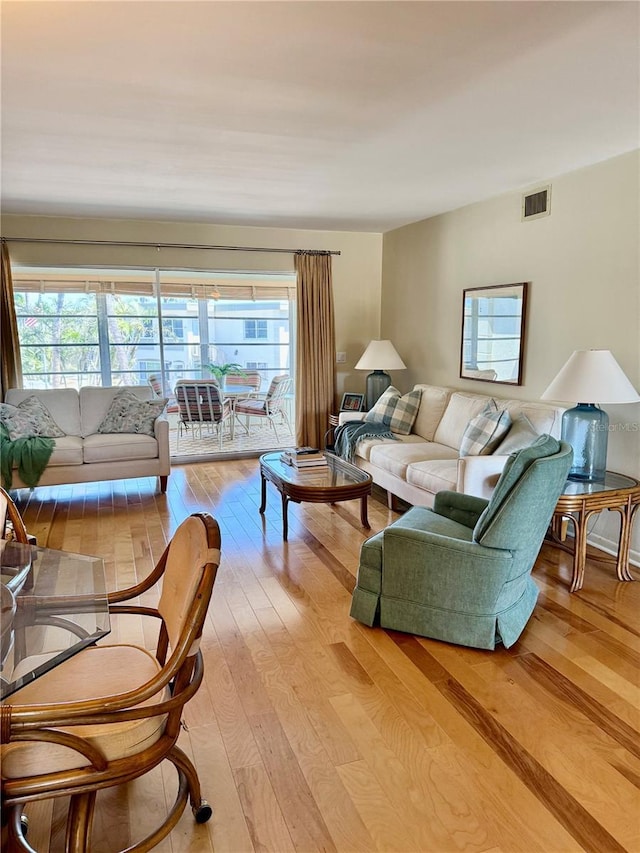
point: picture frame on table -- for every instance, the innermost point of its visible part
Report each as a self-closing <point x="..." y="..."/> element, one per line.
<point x="352" y="402"/>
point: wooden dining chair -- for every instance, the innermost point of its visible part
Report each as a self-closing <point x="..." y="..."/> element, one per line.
<point x="112" y="713"/>
<point x="11" y="523"/>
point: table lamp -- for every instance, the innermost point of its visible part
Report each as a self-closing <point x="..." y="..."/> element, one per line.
<point x="592" y="374"/>
<point x="379" y="356"/>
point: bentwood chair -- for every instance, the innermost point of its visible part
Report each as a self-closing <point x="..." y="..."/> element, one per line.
<point x="112" y="713"/>
<point x="461" y="572"/>
<point x="11" y="523"/>
<point x="201" y="404"/>
<point x="272" y="407"/>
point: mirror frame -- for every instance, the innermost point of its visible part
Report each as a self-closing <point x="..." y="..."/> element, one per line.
<point x="472" y="299"/>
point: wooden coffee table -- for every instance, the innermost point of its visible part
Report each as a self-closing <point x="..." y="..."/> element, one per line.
<point x="339" y="481"/>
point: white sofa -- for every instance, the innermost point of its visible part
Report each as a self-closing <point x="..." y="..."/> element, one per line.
<point x="84" y="455"/>
<point x="417" y="466"/>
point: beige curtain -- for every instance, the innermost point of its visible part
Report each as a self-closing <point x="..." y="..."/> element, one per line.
<point x="11" y="363"/>
<point x="315" y="348"/>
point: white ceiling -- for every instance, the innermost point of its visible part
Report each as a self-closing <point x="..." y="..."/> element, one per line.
<point x="327" y="115"/>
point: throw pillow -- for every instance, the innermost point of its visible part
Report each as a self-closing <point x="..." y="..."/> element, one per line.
<point x="484" y="432"/>
<point x="30" y="417"/>
<point x="522" y="434"/>
<point x="395" y="411"/>
<point x="44" y="422"/>
<point x="128" y="413"/>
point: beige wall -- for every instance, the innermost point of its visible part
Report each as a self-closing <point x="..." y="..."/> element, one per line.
<point x="356" y="271"/>
<point x="582" y="263"/>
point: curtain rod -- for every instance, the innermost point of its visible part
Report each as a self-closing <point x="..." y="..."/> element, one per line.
<point x="166" y="245"/>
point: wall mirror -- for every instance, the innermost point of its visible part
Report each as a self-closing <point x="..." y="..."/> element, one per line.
<point x="493" y="333"/>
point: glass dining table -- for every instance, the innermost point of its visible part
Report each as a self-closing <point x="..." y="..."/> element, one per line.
<point x="54" y="604"/>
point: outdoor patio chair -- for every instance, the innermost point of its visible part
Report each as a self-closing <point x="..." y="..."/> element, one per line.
<point x="246" y="378"/>
<point x="201" y="404"/>
<point x="172" y="407"/>
<point x="271" y="407"/>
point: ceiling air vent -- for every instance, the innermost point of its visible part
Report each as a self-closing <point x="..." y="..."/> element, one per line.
<point x="536" y="204"/>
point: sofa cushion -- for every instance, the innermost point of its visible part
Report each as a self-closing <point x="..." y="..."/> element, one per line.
<point x="116" y="447"/>
<point x="394" y="457"/>
<point x="433" y="475"/>
<point x="67" y="451"/>
<point x="433" y="402"/>
<point x="365" y="446"/>
<point x="544" y="418"/>
<point x="17" y="421"/>
<point x="521" y="434"/>
<point x="485" y="431"/>
<point x="61" y="403"/>
<point x="95" y="402"/>
<point x="459" y="411"/>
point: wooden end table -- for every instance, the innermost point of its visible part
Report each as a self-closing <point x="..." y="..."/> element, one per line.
<point x="580" y="500"/>
<point x="338" y="481"/>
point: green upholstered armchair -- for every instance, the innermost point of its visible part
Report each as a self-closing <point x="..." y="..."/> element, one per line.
<point x="461" y="572"/>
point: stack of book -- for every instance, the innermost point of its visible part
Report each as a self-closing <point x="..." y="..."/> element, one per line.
<point x="304" y="457"/>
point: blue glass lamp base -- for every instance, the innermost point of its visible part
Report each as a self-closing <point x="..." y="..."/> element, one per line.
<point x="377" y="384"/>
<point x="586" y="429"/>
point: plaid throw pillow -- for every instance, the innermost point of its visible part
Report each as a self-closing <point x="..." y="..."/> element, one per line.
<point x="485" y="432"/>
<point x="396" y="412"/>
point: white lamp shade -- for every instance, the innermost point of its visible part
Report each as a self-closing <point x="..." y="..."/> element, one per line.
<point x="380" y="355"/>
<point x="592" y="376"/>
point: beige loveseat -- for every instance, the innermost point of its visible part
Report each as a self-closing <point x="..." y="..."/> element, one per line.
<point x="415" y="467"/>
<point x="85" y="455"/>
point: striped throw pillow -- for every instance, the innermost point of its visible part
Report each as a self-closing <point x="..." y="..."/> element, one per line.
<point x="485" y="431"/>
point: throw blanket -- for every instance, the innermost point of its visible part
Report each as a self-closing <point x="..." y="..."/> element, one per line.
<point x="347" y="436"/>
<point x="30" y="454"/>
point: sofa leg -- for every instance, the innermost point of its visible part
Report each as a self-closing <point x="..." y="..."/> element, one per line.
<point x="392" y="502"/>
<point x="163" y="484"/>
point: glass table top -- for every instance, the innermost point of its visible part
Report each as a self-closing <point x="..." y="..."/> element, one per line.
<point x="56" y="604"/>
<point x="336" y="473"/>
<point x="612" y="482"/>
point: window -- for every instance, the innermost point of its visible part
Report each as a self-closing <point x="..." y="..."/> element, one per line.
<point x="256" y="365"/>
<point x="255" y="329"/>
<point x="116" y="327"/>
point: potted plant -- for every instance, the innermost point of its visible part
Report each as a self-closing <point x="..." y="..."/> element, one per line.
<point x="222" y="370"/>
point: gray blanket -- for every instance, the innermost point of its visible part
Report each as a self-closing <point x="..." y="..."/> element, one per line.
<point x="347" y="436"/>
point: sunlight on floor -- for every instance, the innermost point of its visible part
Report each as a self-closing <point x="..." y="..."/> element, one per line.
<point x="260" y="438"/>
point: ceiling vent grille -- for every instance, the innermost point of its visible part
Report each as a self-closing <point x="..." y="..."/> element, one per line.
<point x="536" y="204"/>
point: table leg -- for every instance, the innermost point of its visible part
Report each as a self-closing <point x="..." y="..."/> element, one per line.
<point x="285" y="521"/>
<point x="363" y="512"/>
<point x="622" y="562"/>
<point x="263" y="488"/>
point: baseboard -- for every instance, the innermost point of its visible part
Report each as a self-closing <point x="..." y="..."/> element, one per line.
<point x="611" y="547"/>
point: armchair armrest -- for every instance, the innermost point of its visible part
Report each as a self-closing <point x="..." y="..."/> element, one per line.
<point x="478" y="475"/>
<point x="465" y="509"/>
<point x="161" y="432"/>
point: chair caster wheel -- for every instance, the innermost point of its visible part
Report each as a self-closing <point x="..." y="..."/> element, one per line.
<point x="203" y="812"/>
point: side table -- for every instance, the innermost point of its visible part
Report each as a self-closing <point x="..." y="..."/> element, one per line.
<point x="580" y="500"/>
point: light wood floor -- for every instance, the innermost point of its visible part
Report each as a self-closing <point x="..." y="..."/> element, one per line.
<point x="313" y="732"/>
